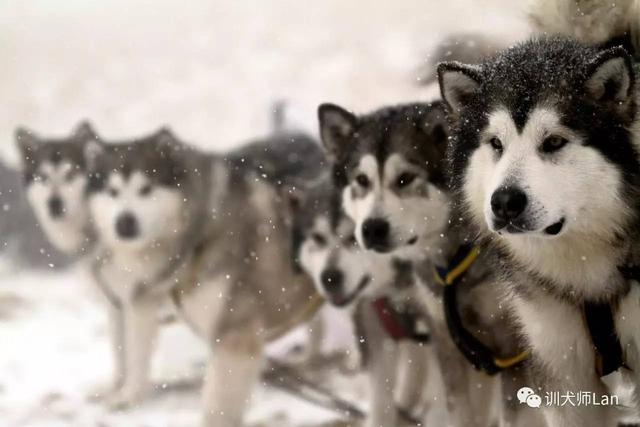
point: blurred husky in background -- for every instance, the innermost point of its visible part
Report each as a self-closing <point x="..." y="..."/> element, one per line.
<point x="389" y="170"/>
<point x="211" y="232"/>
<point x="55" y="179"/>
<point x="352" y="278"/>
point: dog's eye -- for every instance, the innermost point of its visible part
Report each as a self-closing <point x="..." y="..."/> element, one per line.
<point x="146" y="190"/>
<point x="495" y="143"/>
<point x="553" y="143"/>
<point x="405" y="179"/>
<point x="113" y="192"/>
<point x="318" y="239"/>
<point x="362" y="180"/>
<point x="351" y="240"/>
<point x="69" y="176"/>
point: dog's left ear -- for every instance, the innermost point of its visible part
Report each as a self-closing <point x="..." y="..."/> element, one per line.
<point x="611" y="81"/>
<point x="337" y="125"/>
<point x="458" y="83"/>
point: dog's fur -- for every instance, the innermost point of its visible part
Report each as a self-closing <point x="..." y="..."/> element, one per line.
<point x="233" y="281"/>
<point x="557" y="122"/>
<point x="54" y="173"/>
<point x="351" y="278"/>
<point x="408" y="142"/>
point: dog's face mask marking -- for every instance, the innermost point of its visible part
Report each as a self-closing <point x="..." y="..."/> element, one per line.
<point x="540" y="181"/>
<point x="133" y="211"/>
<point x="135" y="195"/>
<point x="388" y="166"/>
<point x="547" y="155"/>
<point x="55" y="180"/>
<point x="328" y="251"/>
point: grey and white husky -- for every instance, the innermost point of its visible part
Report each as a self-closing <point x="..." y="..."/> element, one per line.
<point x="55" y="179"/>
<point x="354" y="279"/>
<point x="212" y="233"/>
<point x="544" y="157"/>
<point x="390" y="172"/>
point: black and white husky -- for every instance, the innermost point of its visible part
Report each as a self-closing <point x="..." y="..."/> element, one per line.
<point x="390" y="172"/>
<point x="211" y="233"/>
<point x="544" y="158"/>
<point x="354" y="279"/>
<point x="55" y="179"/>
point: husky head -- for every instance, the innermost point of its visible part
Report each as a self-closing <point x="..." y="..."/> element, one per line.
<point x="326" y="248"/>
<point x="388" y="166"/>
<point x="136" y="195"/>
<point x="543" y="148"/>
<point x="54" y="172"/>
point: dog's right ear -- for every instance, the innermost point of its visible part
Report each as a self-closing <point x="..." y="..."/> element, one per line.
<point x="337" y="125"/>
<point x="27" y="141"/>
<point x="458" y="83"/>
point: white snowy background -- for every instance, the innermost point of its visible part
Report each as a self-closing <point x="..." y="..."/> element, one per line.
<point x="212" y="71"/>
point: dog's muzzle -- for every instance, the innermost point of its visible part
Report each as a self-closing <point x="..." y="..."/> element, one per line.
<point x="375" y="233"/>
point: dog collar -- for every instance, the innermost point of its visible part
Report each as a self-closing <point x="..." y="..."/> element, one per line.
<point x="478" y="354"/>
<point x="399" y="324"/>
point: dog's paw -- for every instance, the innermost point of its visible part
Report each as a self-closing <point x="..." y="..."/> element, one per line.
<point x="127" y="398"/>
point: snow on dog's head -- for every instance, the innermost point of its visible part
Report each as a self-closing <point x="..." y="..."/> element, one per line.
<point x="388" y="166"/>
<point x="541" y="144"/>
<point x="135" y="194"/>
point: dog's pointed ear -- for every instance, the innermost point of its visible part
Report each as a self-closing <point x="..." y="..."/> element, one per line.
<point x="337" y="125"/>
<point x="84" y="132"/>
<point x="610" y="79"/>
<point x="27" y="142"/>
<point x="435" y="124"/>
<point x="458" y="83"/>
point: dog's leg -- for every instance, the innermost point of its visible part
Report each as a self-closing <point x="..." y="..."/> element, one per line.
<point x="413" y="370"/>
<point x="232" y="372"/>
<point x="140" y="321"/>
<point x="512" y="412"/>
<point x="563" y="361"/>
<point x="456" y="373"/>
<point x="381" y="355"/>
<point x="116" y="338"/>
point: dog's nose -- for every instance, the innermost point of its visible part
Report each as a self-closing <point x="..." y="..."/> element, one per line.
<point x="508" y="203"/>
<point x="56" y="206"/>
<point x="332" y="279"/>
<point x="127" y="226"/>
<point x="375" y="232"/>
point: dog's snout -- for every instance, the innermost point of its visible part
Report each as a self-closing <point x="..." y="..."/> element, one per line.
<point x="127" y="226"/>
<point x="332" y="279"/>
<point x="56" y="206"/>
<point x="508" y="203"/>
<point x="375" y="233"/>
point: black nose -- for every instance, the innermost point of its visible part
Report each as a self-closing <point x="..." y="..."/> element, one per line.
<point x="508" y="203"/>
<point x="56" y="206"/>
<point x="127" y="226"/>
<point x="375" y="232"/>
<point x="332" y="279"/>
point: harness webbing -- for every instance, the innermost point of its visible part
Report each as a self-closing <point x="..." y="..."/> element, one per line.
<point x="398" y="325"/>
<point x="602" y="328"/>
<point x="478" y="354"/>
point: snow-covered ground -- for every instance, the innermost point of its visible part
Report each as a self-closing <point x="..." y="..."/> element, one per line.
<point x="211" y="70"/>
